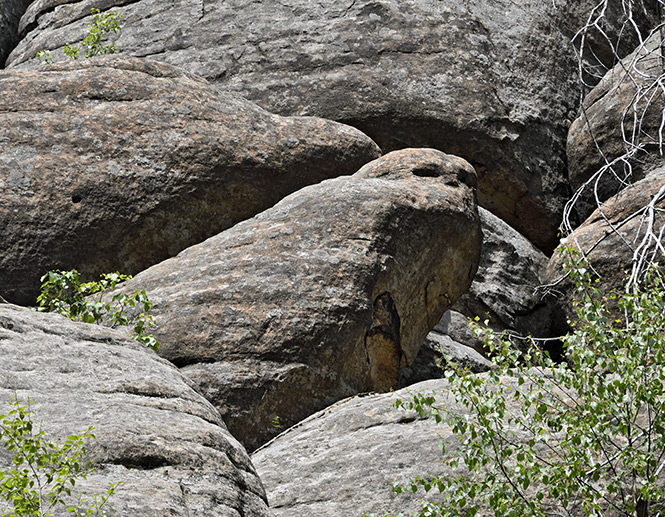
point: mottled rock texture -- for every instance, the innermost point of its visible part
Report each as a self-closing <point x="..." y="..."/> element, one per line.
<point x="325" y="295"/>
<point x="607" y="129"/>
<point x="430" y="362"/>
<point x="491" y="81"/>
<point x="118" y="163"/>
<point x="10" y="16"/>
<point x="348" y="455"/>
<point x="154" y="432"/>
<point x="610" y="238"/>
<point x="505" y="292"/>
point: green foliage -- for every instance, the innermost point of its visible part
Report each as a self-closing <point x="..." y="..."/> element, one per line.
<point x="42" y="474"/>
<point x="44" y="56"/>
<point x="582" y="437"/>
<point x="63" y="292"/>
<point x="102" y="24"/>
<point x="276" y="423"/>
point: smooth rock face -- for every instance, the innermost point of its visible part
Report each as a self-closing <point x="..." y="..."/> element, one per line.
<point x="323" y="296"/>
<point x="430" y="363"/>
<point x="611" y="254"/>
<point x="348" y="455"/>
<point x="154" y="432"/>
<point x="613" y="102"/>
<point x="492" y="81"/>
<point x="118" y="163"/>
<point x="10" y="15"/>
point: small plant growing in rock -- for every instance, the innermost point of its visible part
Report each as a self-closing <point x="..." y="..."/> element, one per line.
<point x="63" y="292"/>
<point x="102" y="24"/>
<point x="42" y="473"/>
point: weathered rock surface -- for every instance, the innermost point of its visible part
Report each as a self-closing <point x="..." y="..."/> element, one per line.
<point x="428" y="363"/>
<point x="504" y="292"/>
<point x="455" y="325"/>
<point x="628" y="92"/>
<point x="118" y="163"/>
<point x="504" y="289"/>
<point x="491" y="81"/>
<point x="610" y="252"/>
<point x="323" y="296"/>
<point x="347" y="457"/>
<point x="154" y="431"/>
<point x="10" y="15"/>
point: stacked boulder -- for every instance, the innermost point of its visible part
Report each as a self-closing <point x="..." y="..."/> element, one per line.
<point x="117" y="163"/>
<point x="325" y="295"/>
<point x="494" y="82"/>
<point x="155" y="433"/>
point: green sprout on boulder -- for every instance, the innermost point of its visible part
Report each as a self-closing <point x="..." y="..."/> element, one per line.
<point x="41" y="474"/>
<point x="93" y="44"/>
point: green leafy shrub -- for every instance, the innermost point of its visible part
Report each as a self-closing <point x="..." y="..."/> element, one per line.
<point x="42" y="474"/>
<point x="585" y="436"/>
<point x="102" y="24"/>
<point x="63" y="292"/>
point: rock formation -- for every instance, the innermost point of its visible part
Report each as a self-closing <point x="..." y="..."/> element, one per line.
<point x="154" y="432"/>
<point x="613" y="236"/>
<point x="118" y="163"/>
<point x="505" y="289"/>
<point x="325" y="295"/>
<point x="505" y="292"/>
<point x="436" y="350"/>
<point x="348" y="455"/>
<point x="157" y="162"/>
<point x="494" y="82"/>
<point x="606" y="133"/>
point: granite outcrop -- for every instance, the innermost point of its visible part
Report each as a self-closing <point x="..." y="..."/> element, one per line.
<point x="325" y="295"/>
<point x="117" y="163"/>
<point x="154" y="432"/>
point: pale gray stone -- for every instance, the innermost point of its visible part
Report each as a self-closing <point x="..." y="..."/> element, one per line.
<point x="605" y="131"/>
<point x="608" y="239"/>
<point x="154" y="431"/>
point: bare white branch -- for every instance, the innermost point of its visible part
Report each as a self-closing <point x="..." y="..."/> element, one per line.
<point x="644" y="72"/>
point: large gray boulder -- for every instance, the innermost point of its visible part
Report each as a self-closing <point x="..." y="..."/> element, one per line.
<point x="155" y="433"/>
<point x="505" y="288"/>
<point x="348" y="456"/>
<point x="620" y="129"/>
<point x="325" y="295"/>
<point x="613" y="238"/>
<point x="118" y="163"/>
<point x="492" y="81"/>
<point x="10" y="16"/>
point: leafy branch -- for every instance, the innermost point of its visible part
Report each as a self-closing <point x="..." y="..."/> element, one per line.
<point x="585" y="436"/>
<point x="64" y="293"/>
<point x="42" y="474"/>
<point x="102" y="24"/>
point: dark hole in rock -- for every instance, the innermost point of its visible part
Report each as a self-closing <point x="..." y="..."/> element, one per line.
<point x="76" y="198"/>
<point x="142" y="462"/>
<point x="426" y="172"/>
